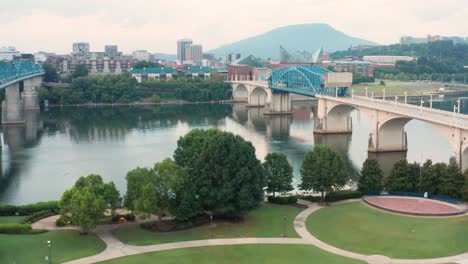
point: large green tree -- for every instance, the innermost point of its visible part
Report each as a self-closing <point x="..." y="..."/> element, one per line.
<point x="80" y="71"/>
<point x="50" y="73"/>
<point x="87" y="200"/>
<point x="453" y="181"/>
<point x="162" y="190"/>
<point x="278" y="173"/>
<point x="223" y="169"/>
<point x="404" y="177"/>
<point x="323" y="170"/>
<point x="371" y="177"/>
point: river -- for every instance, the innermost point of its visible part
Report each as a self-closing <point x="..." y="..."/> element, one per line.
<point x="57" y="146"/>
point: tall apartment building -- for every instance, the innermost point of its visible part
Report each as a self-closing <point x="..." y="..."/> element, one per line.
<point x="182" y="45"/>
<point x="194" y="54"/>
<point x="141" y="55"/>
<point x="81" y="47"/>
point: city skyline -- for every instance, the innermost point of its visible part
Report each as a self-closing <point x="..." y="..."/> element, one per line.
<point x="132" y="27"/>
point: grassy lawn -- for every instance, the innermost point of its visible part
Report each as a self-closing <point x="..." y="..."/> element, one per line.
<point x="356" y="227"/>
<point x="11" y="219"/>
<point x="267" y="221"/>
<point x="396" y="88"/>
<point x="239" y="254"/>
<point x="66" y="245"/>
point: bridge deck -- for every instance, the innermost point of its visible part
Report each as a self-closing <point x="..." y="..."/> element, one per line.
<point x="410" y="111"/>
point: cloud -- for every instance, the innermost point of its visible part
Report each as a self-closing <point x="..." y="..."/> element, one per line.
<point x="53" y="25"/>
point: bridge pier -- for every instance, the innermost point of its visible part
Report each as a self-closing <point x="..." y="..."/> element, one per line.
<point x="13" y="106"/>
<point x="280" y="104"/>
<point x="30" y="97"/>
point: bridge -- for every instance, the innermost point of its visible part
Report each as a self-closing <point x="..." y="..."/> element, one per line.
<point x="19" y="79"/>
<point x="387" y="118"/>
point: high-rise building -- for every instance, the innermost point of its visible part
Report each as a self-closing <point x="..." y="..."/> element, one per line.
<point x="194" y="54"/>
<point x="182" y="45"/>
<point x="81" y="47"/>
<point x="111" y="49"/>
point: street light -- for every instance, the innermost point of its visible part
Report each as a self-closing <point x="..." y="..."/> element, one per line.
<point x="366" y="89"/>
<point x="406" y="97"/>
<point x="284" y="226"/>
<point x="383" y="96"/>
<point x="422" y="104"/>
<point x="396" y="100"/>
<point x="458" y="107"/>
<point x="372" y="97"/>
<point x="430" y="102"/>
<point x="49" y="243"/>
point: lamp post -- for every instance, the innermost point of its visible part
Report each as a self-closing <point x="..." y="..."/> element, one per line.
<point x="396" y="100"/>
<point x="430" y="102"/>
<point x="366" y="89"/>
<point x="49" y="243"/>
<point x="421" y="106"/>
<point x="458" y="105"/>
<point x="383" y="94"/>
<point x="284" y="226"/>
<point x="406" y="97"/>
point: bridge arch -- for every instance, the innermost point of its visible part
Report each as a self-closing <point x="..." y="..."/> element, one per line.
<point x="240" y="93"/>
<point x="258" y="96"/>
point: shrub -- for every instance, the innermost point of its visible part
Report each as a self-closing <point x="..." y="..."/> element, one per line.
<point x="63" y="221"/>
<point x="283" y="199"/>
<point x="15" y="229"/>
<point x="127" y="216"/>
<point x="9" y="210"/>
<point x="342" y="195"/>
<point x="38" y="216"/>
<point x="310" y="198"/>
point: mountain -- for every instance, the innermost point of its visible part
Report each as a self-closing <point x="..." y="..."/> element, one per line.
<point x="305" y="37"/>
<point x="164" y="56"/>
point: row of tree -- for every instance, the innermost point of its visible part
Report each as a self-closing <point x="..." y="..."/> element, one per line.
<point x="435" y="179"/>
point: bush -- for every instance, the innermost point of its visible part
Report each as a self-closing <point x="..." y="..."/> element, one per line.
<point x="310" y="198"/>
<point x="283" y="199"/>
<point x="15" y="229"/>
<point x="342" y="195"/>
<point x="10" y="210"/>
<point x="38" y="216"/>
<point x="63" y="221"/>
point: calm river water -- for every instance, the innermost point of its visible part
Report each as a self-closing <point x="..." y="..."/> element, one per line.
<point x="40" y="160"/>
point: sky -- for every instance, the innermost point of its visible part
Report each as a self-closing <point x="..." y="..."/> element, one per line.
<point x="155" y="25"/>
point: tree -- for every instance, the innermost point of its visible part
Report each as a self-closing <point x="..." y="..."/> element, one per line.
<point x="400" y="177"/>
<point x="278" y="173"/>
<point x="80" y="71"/>
<point x="223" y="169"/>
<point x="323" y="170"/>
<point x="87" y="200"/>
<point x="146" y="64"/>
<point x="453" y="181"/>
<point x="162" y="190"/>
<point x="50" y="73"/>
<point x="371" y="177"/>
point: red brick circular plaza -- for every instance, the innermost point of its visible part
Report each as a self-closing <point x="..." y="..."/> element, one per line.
<point x="414" y="206"/>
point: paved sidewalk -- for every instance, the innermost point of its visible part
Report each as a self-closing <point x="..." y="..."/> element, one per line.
<point x="115" y="248"/>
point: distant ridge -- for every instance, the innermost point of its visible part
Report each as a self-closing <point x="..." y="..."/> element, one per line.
<point x="308" y="37"/>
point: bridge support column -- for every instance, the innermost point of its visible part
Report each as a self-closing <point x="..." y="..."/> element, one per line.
<point x="12" y="107"/>
<point x="387" y="132"/>
<point x="333" y="118"/>
<point x="280" y="104"/>
<point x="30" y="97"/>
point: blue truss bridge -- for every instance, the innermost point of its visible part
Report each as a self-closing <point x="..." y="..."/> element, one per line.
<point x="18" y="70"/>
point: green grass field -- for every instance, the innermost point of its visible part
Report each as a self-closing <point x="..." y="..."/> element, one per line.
<point x="239" y="254"/>
<point x="267" y="221"/>
<point x="66" y="245"/>
<point x="11" y="219"/>
<point x="396" y="88"/>
<point x="358" y="228"/>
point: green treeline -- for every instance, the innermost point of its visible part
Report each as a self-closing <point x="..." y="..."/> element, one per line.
<point x="444" y="60"/>
<point x="123" y="89"/>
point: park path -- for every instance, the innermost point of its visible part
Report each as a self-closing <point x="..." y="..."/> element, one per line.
<point x="115" y="248"/>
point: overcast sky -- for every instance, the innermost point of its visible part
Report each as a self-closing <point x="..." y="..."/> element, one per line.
<point x="155" y="25"/>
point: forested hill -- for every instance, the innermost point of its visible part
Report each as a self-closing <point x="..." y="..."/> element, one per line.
<point x="433" y="57"/>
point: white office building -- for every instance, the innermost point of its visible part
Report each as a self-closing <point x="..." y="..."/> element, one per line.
<point x="8" y="53"/>
<point x="141" y="55"/>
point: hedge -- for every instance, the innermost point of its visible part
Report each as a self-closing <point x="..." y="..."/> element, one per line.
<point x="342" y="195"/>
<point x="62" y="221"/>
<point x="334" y="196"/>
<point x="11" y="210"/>
<point x="38" y="216"/>
<point x="283" y="199"/>
<point x="19" y="229"/>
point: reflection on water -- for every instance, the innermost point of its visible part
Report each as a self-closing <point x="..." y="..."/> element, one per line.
<point x="44" y="157"/>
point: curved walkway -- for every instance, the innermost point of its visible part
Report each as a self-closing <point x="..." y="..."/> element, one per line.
<point x="115" y="248"/>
